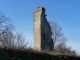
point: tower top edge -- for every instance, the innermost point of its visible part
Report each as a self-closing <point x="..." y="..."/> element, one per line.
<point x="39" y="9"/>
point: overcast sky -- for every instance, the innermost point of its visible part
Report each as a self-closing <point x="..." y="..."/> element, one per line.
<point x="65" y="12"/>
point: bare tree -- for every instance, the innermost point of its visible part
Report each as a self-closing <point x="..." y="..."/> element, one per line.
<point x="57" y="33"/>
<point x="7" y="37"/>
<point x="20" y="41"/>
<point x="5" y="28"/>
<point x="11" y="40"/>
<point x="3" y="23"/>
<point x="61" y="45"/>
<point x="59" y="40"/>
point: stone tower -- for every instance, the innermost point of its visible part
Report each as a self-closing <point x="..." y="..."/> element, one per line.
<point x="42" y="31"/>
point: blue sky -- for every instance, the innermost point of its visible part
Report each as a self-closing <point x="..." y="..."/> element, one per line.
<point x="65" y="12"/>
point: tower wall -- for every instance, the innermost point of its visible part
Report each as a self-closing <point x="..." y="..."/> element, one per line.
<point x="37" y="29"/>
<point x="42" y="31"/>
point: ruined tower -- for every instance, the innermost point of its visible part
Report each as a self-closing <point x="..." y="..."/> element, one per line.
<point x="42" y="31"/>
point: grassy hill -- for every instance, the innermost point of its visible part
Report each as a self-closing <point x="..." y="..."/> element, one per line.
<point x="10" y="54"/>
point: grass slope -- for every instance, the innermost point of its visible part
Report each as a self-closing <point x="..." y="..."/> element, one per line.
<point x="9" y="54"/>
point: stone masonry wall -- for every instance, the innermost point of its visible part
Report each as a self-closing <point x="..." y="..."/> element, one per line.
<point x="42" y="31"/>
